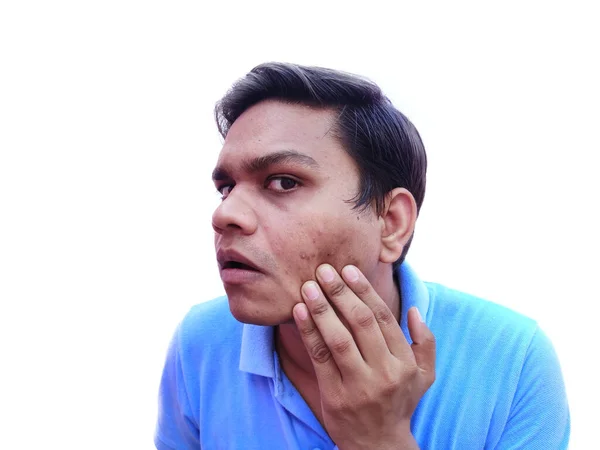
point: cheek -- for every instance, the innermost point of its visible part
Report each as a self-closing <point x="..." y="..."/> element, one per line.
<point x="337" y="244"/>
<point x="338" y="239"/>
<point x="352" y="241"/>
<point x="299" y="252"/>
<point x="339" y="249"/>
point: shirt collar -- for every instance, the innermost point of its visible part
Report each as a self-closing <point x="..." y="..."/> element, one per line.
<point x="414" y="293"/>
<point x="257" y="347"/>
<point x="256" y="355"/>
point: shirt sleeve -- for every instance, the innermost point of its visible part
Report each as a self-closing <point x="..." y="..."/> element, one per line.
<point x="539" y="417"/>
<point x="176" y="427"/>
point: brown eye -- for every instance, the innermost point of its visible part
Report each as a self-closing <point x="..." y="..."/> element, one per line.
<point x="282" y="184"/>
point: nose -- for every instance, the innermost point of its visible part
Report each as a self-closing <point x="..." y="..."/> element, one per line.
<point x="235" y="213"/>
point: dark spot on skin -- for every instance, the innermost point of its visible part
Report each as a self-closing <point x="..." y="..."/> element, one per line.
<point x="354" y="261"/>
<point x="307" y="256"/>
<point x="357" y="217"/>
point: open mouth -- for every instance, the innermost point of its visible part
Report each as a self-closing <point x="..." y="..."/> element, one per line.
<point x="237" y="265"/>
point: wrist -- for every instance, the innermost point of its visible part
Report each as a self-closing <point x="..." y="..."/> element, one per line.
<point x="405" y="441"/>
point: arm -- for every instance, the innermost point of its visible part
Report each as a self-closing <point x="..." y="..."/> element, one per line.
<point x="539" y="416"/>
<point x="176" y="427"/>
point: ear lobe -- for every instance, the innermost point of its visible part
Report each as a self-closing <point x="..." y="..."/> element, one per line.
<point x="398" y="223"/>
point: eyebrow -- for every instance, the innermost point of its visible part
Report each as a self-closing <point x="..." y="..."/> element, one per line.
<point x="263" y="162"/>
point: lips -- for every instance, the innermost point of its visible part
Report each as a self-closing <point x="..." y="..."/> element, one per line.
<point x="236" y="265"/>
<point x="232" y="259"/>
<point x="237" y="270"/>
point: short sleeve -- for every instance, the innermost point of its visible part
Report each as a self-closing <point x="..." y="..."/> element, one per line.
<point x="539" y="416"/>
<point x="176" y="427"/>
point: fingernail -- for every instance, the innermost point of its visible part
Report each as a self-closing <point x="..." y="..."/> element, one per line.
<point x="350" y="273"/>
<point x="326" y="273"/>
<point x="301" y="311"/>
<point x="419" y="314"/>
<point x="310" y="290"/>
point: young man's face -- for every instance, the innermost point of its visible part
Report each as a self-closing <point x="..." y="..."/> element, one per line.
<point x="287" y="185"/>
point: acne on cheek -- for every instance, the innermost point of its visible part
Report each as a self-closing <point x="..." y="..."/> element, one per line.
<point x="338" y="252"/>
<point x="330" y="244"/>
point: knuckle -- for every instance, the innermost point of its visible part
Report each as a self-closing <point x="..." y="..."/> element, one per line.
<point x="338" y="405"/>
<point x="391" y="375"/>
<point x="308" y="331"/>
<point x="319" y="309"/>
<point x="364" y="319"/>
<point x="390" y="387"/>
<point x="337" y="288"/>
<point x="430" y="339"/>
<point x="341" y="346"/>
<point x="410" y="372"/>
<point x="320" y="353"/>
<point x="362" y="289"/>
<point x="429" y="343"/>
<point x="413" y="370"/>
<point x="383" y="315"/>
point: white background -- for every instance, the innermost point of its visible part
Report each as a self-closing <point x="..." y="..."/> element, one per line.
<point x="107" y="142"/>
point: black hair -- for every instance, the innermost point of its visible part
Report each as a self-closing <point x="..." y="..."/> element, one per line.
<point x="385" y="145"/>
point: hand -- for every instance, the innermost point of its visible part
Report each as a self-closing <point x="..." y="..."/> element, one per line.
<point x="370" y="378"/>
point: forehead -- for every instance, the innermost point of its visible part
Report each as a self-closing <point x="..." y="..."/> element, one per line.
<point x="273" y="126"/>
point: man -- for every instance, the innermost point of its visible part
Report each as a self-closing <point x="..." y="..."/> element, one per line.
<point x="326" y="336"/>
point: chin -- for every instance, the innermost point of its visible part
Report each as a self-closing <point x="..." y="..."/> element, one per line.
<point x="247" y="310"/>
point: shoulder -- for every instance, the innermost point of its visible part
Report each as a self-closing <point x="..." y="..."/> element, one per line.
<point x="479" y="336"/>
<point x="504" y="366"/>
<point x="450" y="307"/>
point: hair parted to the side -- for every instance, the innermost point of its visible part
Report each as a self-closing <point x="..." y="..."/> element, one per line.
<point x="385" y="145"/>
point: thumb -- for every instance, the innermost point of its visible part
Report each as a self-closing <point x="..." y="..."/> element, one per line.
<point x="423" y="345"/>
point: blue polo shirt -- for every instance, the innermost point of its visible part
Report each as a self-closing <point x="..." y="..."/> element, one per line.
<point x="498" y="381"/>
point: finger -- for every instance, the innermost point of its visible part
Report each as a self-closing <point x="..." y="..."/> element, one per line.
<point x="390" y="328"/>
<point x="423" y="339"/>
<point x="359" y="317"/>
<point x="326" y="369"/>
<point x="335" y="335"/>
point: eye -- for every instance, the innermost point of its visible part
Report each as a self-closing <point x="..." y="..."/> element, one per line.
<point x="281" y="184"/>
<point x="225" y="190"/>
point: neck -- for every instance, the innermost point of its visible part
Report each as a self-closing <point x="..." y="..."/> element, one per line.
<point x="290" y="348"/>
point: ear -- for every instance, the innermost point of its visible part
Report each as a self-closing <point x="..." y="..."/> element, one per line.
<point x="398" y="223"/>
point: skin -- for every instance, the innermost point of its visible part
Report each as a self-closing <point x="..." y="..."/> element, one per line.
<point x="287" y="183"/>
